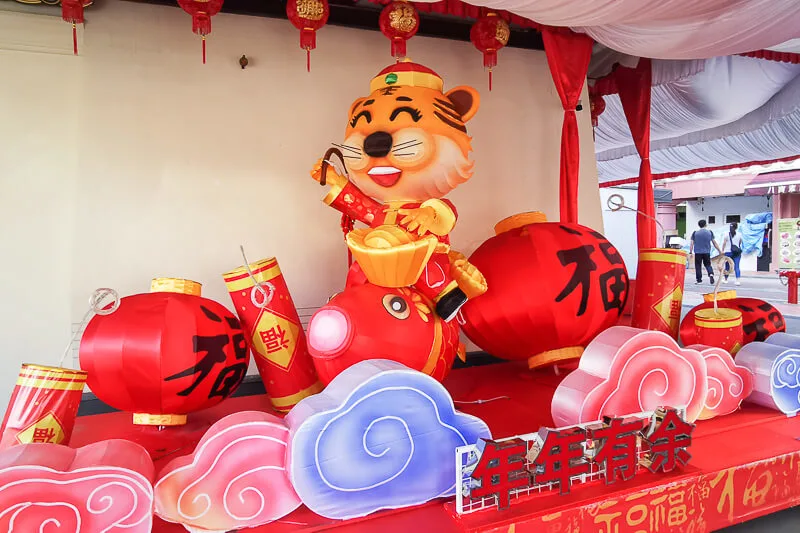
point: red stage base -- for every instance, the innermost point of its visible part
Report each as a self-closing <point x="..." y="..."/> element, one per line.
<point x="743" y="466"/>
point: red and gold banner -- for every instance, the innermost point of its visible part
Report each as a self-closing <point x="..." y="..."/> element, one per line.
<point x="659" y="290"/>
<point x="43" y="406"/>
<point x="721" y="329"/>
<point x="274" y="331"/>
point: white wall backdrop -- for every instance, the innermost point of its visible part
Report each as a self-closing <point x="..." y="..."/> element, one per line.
<point x="134" y="160"/>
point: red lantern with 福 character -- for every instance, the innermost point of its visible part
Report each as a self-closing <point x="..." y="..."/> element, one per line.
<point x="201" y="12"/>
<point x="552" y="288"/>
<point x="489" y="34"/>
<point x="760" y="319"/>
<point x="72" y="12"/>
<point x="308" y="16"/>
<point x="164" y="354"/>
<point x="399" y="21"/>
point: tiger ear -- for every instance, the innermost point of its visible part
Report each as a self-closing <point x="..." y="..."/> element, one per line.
<point x="466" y="100"/>
<point x="356" y="104"/>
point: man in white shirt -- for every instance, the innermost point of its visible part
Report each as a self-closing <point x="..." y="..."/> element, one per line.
<point x="732" y="247"/>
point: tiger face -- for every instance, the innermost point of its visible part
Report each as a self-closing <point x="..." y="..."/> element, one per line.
<point x="405" y="143"/>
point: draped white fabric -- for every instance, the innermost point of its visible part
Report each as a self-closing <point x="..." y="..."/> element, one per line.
<point x="735" y="110"/>
<point x="668" y="29"/>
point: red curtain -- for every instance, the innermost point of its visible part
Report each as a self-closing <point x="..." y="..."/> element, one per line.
<point x="634" y="94"/>
<point x="568" y="56"/>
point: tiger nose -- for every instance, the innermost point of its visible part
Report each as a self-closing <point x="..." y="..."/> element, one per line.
<point x="378" y="144"/>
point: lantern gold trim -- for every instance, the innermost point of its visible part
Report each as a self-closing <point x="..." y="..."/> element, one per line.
<point x="519" y="220"/>
<point x="145" y="419"/>
<point x="176" y="285"/>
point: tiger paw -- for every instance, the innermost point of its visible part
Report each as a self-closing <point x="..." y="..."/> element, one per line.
<point x="467" y="276"/>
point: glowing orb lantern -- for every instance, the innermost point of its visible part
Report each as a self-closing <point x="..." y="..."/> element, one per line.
<point x="399" y="21"/>
<point x="489" y="34"/>
<point x="164" y="354"/>
<point x="552" y="288"/>
<point x="308" y="16"/>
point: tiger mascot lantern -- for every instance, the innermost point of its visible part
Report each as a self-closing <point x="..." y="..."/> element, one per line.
<point x="406" y="146"/>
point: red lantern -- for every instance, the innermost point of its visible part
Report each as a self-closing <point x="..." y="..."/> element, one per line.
<point x="489" y="34"/>
<point x="308" y="16"/>
<point x="164" y="354"/>
<point x="597" y="105"/>
<point x="201" y="12"/>
<point x="552" y="288"/>
<point x="72" y="12"/>
<point x="399" y="21"/>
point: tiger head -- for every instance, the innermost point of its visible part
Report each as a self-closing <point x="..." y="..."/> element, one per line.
<point x="407" y="140"/>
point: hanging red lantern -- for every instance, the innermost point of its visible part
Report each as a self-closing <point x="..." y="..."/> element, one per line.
<point x="399" y="21"/>
<point x="308" y="16"/>
<point x="552" y="288"/>
<point x="72" y="12"/>
<point x="164" y="354"/>
<point x="489" y="34"/>
<point x="201" y="12"/>
<point x="597" y="105"/>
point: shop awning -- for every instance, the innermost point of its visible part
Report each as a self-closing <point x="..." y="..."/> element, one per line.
<point x="774" y="183"/>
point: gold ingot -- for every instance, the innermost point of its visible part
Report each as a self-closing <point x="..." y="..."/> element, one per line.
<point x="389" y="255"/>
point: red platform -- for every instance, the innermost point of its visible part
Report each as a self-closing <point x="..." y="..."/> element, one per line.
<point x="743" y="466"/>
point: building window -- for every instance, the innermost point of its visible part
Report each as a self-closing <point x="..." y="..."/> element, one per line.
<point x="730" y="219"/>
<point x="712" y="219"/>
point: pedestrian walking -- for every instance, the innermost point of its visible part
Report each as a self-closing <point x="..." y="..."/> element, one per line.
<point x="702" y="239"/>
<point x="732" y="247"/>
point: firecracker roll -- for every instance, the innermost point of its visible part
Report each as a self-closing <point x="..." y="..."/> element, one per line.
<point x="274" y="331"/>
<point x="721" y="329"/>
<point x="43" y="406"/>
<point x="659" y="290"/>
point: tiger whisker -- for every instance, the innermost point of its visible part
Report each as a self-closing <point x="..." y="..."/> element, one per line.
<point x="351" y="156"/>
<point x="400" y="148"/>
<point x="405" y="155"/>
<point x="402" y="144"/>
<point x="347" y="147"/>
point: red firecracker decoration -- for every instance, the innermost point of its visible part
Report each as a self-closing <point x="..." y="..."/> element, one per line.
<point x="489" y="34"/>
<point x="399" y="21"/>
<point x="165" y="353"/>
<point x="552" y="288"/>
<point x="72" y="12"/>
<point x="201" y="12"/>
<point x="597" y="105"/>
<point x="308" y="16"/>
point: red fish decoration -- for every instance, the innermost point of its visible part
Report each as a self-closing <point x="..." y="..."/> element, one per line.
<point x="760" y="319"/>
<point x="366" y="321"/>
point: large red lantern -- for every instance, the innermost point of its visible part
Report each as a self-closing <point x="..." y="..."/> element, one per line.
<point x="164" y="354"/>
<point x="552" y="288"/>
<point x="399" y="21"/>
<point x="201" y="12"/>
<point x="489" y="34"/>
<point x="308" y="16"/>
<point x="72" y="12"/>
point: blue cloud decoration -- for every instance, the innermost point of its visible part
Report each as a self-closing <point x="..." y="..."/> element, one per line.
<point x="380" y="436"/>
<point x="775" y="365"/>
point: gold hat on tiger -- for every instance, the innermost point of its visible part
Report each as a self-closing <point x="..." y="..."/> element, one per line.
<point x="408" y="74"/>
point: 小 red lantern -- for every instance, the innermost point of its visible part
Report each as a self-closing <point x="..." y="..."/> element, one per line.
<point x="552" y="288"/>
<point x="308" y="16"/>
<point x="489" y="34"/>
<point x="164" y="354"/>
<point x="597" y="105"/>
<point x="201" y="12"/>
<point x="399" y="21"/>
<point x="72" y="12"/>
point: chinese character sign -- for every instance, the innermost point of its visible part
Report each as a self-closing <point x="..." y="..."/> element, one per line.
<point x="556" y="286"/>
<point x="265" y="307"/>
<point x="165" y="354"/>
<point x="614" y="450"/>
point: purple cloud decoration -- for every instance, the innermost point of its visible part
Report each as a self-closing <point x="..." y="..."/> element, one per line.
<point x="380" y="436"/>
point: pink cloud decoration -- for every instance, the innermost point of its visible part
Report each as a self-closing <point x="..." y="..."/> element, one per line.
<point x="628" y="370"/>
<point x="105" y="487"/>
<point x="235" y="478"/>
<point x="728" y="383"/>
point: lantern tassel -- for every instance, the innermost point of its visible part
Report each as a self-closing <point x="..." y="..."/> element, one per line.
<point x="398" y="48"/>
<point x="308" y="59"/>
<point x="74" y="39"/>
<point x="204" y="49"/>
<point x="490" y="80"/>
